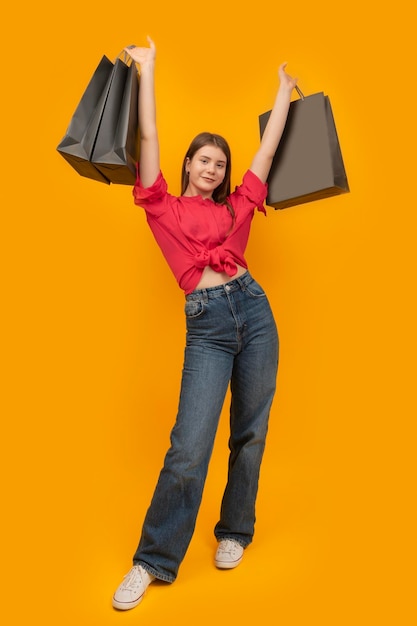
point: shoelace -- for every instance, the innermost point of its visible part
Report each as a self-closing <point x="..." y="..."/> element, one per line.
<point x="133" y="579"/>
<point x="228" y="546"/>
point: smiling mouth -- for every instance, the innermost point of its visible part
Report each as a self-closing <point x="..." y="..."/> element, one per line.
<point x="210" y="180"/>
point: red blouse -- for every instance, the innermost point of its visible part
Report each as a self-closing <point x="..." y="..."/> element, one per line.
<point x="193" y="232"/>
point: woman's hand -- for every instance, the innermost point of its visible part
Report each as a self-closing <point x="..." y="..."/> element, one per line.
<point x="142" y="56"/>
<point x="286" y="81"/>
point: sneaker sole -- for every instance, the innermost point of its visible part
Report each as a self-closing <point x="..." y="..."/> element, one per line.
<point x="125" y="606"/>
<point x="228" y="564"/>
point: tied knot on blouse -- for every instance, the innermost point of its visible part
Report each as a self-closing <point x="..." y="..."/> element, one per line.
<point x="218" y="258"/>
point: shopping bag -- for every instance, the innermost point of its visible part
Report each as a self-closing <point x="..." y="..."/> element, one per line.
<point x="308" y="163"/>
<point x="77" y="144"/>
<point x="115" y="151"/>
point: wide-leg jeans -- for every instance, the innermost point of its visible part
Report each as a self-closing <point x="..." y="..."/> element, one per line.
<point x="231" y="338"/>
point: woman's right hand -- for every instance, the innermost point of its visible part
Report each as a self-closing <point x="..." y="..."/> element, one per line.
<point x="141" y="55"/>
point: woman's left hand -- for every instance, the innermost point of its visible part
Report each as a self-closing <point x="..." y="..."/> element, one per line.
<point x="141" y="55"/>
<point x="285" y="79"/>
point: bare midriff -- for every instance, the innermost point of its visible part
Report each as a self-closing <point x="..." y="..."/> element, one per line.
<point x="210" y="278"/>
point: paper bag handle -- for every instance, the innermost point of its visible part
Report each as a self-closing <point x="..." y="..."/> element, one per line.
<point x="127" y="59"/>
<point x="300" y="93"/>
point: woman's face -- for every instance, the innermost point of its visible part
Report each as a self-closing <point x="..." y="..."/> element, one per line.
<point x="206" y="171"/>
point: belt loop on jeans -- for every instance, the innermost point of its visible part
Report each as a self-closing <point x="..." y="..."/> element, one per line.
<point x="204" y="295"/>
<point x="241" y="283"/>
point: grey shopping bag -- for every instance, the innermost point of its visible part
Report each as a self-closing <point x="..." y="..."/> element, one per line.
<point x="308" y="163"/>
<point x="78" y="142"/>
<point x="116" y="148"/>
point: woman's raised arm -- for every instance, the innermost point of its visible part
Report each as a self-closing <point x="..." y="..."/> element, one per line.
<point x="149" y="142"/>
<point x="271" y="137"/>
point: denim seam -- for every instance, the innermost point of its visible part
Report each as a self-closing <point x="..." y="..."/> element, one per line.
<point x="153" y="572"/>
<point x="243" y="544"/>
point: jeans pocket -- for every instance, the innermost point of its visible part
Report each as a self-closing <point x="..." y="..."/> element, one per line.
<point x="255" y="290"/>
<point x="193" y="308"/>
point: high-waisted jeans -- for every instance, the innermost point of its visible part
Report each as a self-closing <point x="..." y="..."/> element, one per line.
<point x="231" y="338"/>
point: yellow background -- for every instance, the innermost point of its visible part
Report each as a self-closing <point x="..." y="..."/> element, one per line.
<point x="93" y="321"/>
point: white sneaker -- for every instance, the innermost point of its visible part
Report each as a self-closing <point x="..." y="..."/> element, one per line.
<point x="131" y="591"/>
<point x="229" y="554"/>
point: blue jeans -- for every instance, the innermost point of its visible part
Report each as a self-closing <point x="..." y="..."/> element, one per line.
<point x="231" y="338"/>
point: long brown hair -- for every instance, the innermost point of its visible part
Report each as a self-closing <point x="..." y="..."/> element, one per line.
<point x="221" y="193"/>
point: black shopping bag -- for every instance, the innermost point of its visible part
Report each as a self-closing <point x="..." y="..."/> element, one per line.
<point x="78" y="142"/>
<point x="308" y="163"/>
<point x="115" y="151"/>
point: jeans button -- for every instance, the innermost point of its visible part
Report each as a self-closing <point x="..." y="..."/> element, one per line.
<point x="227" y="287"/>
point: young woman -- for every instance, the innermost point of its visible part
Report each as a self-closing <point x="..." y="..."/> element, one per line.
<point x="231" y="337"/>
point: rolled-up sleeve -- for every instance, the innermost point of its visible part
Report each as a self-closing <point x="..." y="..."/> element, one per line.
<point x="154" y="198"/>
<point x="253" y="189"/>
